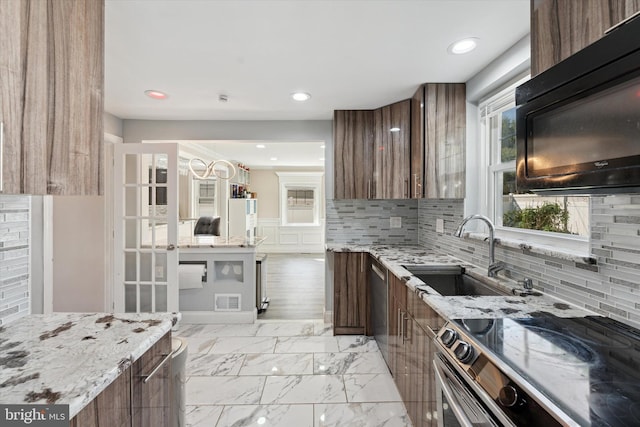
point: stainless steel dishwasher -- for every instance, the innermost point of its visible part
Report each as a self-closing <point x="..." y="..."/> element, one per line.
<point x="378" y="289"/>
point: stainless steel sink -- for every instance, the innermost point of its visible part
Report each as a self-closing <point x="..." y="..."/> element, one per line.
<point x="451" y="281"/>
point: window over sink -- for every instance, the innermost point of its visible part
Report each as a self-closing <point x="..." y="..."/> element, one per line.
<point x="557" y="220"/>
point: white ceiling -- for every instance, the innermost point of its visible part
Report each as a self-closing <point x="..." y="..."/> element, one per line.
<point x="286" y="154"/>
<point x="349" y="54"/>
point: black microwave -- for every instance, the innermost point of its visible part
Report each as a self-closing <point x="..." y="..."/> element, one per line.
<point x="578" y="123"/>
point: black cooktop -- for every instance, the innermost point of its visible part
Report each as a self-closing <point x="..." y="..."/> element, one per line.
<point x="589" y="367"/>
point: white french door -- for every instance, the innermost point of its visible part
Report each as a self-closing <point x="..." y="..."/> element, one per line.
<point x="145" y="228"/>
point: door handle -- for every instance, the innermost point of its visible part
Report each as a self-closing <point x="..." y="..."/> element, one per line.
<point x="406" y="188"/>
<point x="171" y="247"/>
<point x="148" y="377"/>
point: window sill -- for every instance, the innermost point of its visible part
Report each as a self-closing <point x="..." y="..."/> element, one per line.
<point x="527" y="247"/>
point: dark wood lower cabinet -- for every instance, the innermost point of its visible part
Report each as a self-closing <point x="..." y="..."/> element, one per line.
<point x="412" y="326"/>
<point x="111" y="408"/>
<point x="151" y="400"/>
<point x="128" y="401"/>
<point x="350" y="301"/>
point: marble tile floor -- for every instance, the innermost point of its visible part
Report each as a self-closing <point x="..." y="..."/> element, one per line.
<point x="287" y="374"/>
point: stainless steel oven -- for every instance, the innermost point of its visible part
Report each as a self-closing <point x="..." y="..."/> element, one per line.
<point x="458" y="404"/>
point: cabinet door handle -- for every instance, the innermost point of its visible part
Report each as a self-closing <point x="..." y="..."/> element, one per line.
<point x="405" y="328"/>
<point x="417" y="187"/>
<point x="406" y="188"/>
<point x="148" y="377"/>
<point x="362" y="262"/>
<point x="368" y="189"/>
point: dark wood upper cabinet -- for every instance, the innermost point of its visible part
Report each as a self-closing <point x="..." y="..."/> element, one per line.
<point x="409" y="149"/>
<point x="392" y="146"/>
<point x="353" y="154"/>
<point x="560" y="28"/>
<point x="445" y="132"/>
<point x="51" y="96"/>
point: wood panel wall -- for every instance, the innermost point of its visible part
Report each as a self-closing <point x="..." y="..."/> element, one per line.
<point x="51" y="95"/>
<point x="559" y="28"/>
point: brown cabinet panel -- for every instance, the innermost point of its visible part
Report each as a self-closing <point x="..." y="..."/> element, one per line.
<point x="417" y="144"/>
<point x="411" y="351"/>
<point x="392" y="146"/>
<point x="151" y="400"/>
<point x="397" y="309"/>
<point x="425" y="316"/>
<point x="51" y="100"/>
<point x="350" y="301"/>
<point x="560" y="28"/>
<point x="353" y="154"/>
<point x="445" y="130"/>
<point x="111" y="408"/>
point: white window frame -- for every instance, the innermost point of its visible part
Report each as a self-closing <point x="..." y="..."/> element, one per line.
<point x="558" y="242"/>
<point x="296" y="180"/>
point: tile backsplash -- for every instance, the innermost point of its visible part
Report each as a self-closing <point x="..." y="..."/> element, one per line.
<point x="368" y="221"/>
<point x="14" y="257"/>
<point x="610" y="287"/>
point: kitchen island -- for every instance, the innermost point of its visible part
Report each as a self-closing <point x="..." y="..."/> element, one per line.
<point x="71" y="358"/>
<point x="217" y="279"/>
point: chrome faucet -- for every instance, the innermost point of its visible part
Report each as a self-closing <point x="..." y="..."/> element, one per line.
<point x="494" y="266"/>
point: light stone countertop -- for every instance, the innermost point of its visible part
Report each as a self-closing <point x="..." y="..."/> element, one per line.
<point x="394" y="258"/>
<point x="207" y="241"/>
<point x="69" y="358"/>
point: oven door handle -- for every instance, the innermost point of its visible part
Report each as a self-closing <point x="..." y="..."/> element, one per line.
<point x="453" y="402"/>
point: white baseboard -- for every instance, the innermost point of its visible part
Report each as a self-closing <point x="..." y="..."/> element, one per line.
<point x="211" y="317"/>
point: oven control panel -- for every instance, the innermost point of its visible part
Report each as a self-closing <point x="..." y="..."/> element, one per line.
<point x="457" y="346"/>
<point x="490" y="383"/>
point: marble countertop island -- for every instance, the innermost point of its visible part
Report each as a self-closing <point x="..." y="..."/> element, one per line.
<point x="69" y="358"/>
<point x="208" y="241"/>
<point x="394" y="258"/>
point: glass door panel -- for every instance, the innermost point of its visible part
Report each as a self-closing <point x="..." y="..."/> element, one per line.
<point x="146" y="220"/>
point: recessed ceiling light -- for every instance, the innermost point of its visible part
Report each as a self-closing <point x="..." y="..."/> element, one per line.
<point x="322" y="146"/>
<point x="321" y="158"/>
<point x="300" y="96"/>
<point x="394" y="130"/>
<point x="260" y="146"/>
<point x="155" y="94"/>
<point x="273" y="158"/>
<point x="463" y="46"/>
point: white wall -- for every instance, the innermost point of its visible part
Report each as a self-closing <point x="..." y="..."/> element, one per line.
<point x="78" y="253"/>
<point x="265" y="183"/>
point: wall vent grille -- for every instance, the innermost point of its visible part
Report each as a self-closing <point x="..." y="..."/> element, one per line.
<point x="227" y="302"/>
